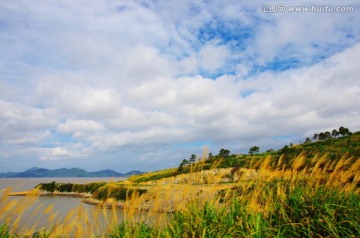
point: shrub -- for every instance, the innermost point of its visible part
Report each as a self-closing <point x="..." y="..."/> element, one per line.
<point x="88" y="187"/>
<point x="49" y="187"/>
<point x="64" y="187"/>
<point x="116" y="192"/>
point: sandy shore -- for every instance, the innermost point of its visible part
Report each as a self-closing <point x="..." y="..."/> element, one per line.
<point x="106" y="204"/>
<point x="122" y="205"/>
<point x="36" y="192"/>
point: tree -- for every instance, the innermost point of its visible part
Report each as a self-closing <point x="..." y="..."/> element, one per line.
<point x="183" y="163"/>
<point x="335" y="133"/>
<point x="316" y="136"/>
<point x="224" y="153"/>
<point x="322" y="136"/>
<point x="192" y="159"/>
<point x="307" y="140"/>
<point x="344" y="131"/>
<point x="253" y="150"/>
<point x="285" y="149"/>
<point x="327" y="135"/>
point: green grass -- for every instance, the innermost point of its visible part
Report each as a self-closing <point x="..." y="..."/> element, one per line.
<point x="304" y="213"/>
<point x="150" y="176"/>
<point x="4" y="231"/>
<point x="126" y="229"/>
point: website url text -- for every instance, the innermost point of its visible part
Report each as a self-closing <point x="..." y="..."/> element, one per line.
<point x="281" y="8"/>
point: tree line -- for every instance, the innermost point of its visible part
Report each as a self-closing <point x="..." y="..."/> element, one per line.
<point x="343" y="131"/>
<point x="230" y="159"/>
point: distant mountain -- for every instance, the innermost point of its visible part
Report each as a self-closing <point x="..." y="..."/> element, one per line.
<point x="63" y="172"/>
<point x="134" y="172"/>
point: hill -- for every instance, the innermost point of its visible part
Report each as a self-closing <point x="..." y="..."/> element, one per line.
<point x="333" y="148"/>
<point x="64" y="172"/>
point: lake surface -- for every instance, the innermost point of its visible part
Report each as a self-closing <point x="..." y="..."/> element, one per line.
<point x="22" y="184"/>
<point x="47" y="209"/>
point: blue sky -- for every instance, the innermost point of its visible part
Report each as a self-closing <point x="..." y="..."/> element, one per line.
<point x="144" y="84"/>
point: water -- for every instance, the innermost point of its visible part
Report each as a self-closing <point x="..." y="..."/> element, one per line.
<point x="58" y="206"/>
<point x="23" y="184"/>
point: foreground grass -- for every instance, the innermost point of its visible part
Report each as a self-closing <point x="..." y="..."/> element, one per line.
<point x="277" y="208"/>
<point x="303" y="213"/>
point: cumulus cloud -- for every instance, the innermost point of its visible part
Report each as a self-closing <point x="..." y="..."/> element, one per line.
<point x="21" y="124"/>
<point x="144" y="62"/>
<point x="144" y="84"/>
<point x="79" y="126"/>
<point x="213" y="56"/>
<point x="74" y="152"/>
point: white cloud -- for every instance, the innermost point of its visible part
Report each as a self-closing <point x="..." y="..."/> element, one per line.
<point x="189" y="65"/>
<point x="20" y="124"/>
<point x="88" y="126"/>
<point x="26" y="138"/>
<point x="213" y="56"/>
<point x="144" y="62"/>
<point x="124" y="82"/>
<point x="61" y="153"/>
<point x="284" y="36"/>
<point x="318" y="95"/>
<point x="72" y="94"/>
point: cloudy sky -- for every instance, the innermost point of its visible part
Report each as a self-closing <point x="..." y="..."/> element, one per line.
<point x="141" y="85"/>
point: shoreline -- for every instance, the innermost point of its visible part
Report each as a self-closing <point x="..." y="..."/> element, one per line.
<point x="122" y="205"/>
<point x="43" y="193"/>
<point x="87" y="198"/>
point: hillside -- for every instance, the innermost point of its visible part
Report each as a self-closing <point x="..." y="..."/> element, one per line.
<point x="333" y="148"/>
<point x="64" y="172"/>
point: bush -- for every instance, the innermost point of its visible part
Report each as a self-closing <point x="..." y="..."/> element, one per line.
<point x="79" y="188"/>
<point x="88" y="187"/>
<point x="116" y="192"/>
<point x="49" y="187"/>
<point x="64" y="187"/>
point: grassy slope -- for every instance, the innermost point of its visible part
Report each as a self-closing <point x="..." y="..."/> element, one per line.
<point x="334" y="148"/>
<point x="308" y="190"/>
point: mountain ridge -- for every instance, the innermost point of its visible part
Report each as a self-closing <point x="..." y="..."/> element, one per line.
<point x="36" y="172"/>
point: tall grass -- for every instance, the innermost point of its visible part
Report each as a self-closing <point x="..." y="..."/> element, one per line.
<point x="311" y="197"/>
<point x="303" y="213"/>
